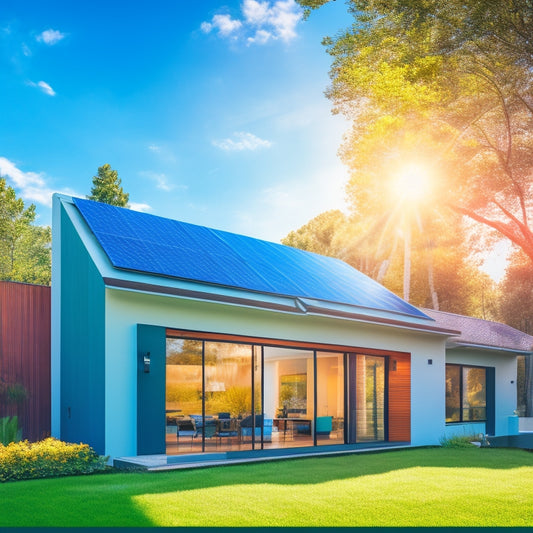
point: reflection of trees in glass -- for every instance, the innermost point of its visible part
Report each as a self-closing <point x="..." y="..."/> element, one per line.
<point x="375" y="393"/>
<point x="236" y="400"/>
<point x="471" y="403"/>
<point x="293" y="391"/>
<point x="453" y="392"/>
<point x="179" y="392"/>
<point x="474" y="387"/>
<point x="184" y="352"/>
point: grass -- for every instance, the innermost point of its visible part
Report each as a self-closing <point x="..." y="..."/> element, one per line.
<point x="416" y="487"/>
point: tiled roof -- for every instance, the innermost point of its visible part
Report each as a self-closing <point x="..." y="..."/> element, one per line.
<point x="482" y="333"/>
<point x="144" y="243"/>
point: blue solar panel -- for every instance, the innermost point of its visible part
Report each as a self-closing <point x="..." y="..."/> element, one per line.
<point x="147" y="243"/>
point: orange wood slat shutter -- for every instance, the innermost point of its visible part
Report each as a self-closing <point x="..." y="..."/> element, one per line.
<point x="400" y="398"/>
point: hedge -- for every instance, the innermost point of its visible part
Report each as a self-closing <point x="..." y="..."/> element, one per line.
<point x="47" y="458"/>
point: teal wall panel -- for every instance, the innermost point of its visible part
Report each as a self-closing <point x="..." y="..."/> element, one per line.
<point x="82" y="343"/>
<point x="151" y="385"/>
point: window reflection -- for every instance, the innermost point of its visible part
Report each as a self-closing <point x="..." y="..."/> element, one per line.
<point x="225" y="396"/>
<point x="466" y="393"/>
<point x="370" y="398"/>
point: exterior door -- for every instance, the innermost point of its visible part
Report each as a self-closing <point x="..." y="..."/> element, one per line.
<point x="367" y="398"/>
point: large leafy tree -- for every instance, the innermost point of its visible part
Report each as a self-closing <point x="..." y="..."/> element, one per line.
<point x="448" y="84"/>
<point x="24" y="248"/>
<point x="516" y="310"/>
<point x="442" y="276"/>
<point x="107" y="188"/>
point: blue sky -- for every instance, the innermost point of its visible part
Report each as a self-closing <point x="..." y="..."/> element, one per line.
<point x="212" y="112"/>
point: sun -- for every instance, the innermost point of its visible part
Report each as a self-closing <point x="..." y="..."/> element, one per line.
<point x="411" y="183"/>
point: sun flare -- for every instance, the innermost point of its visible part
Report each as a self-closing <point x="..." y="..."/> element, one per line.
<point x="411" y="183"/>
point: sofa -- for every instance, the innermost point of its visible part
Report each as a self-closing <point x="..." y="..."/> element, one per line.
<point x="246" y="427"/>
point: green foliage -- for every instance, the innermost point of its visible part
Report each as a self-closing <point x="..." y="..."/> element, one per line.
<point x="517" y="293"/>
<point x="449" y="83"/>
<point x="9" y="430"/>
<point x="25" y="249"/>
<point x="459" y="441"/>
<point x="47" y="458"/>
<point x="12" y="393"/>
<point x="107" y="188"/>
<point x="322" y="234"/>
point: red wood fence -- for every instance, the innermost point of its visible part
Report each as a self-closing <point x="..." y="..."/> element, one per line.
<point x="25" y="356"/>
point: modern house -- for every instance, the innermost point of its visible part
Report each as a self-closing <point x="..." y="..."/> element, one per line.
<point x="175" y="339"/>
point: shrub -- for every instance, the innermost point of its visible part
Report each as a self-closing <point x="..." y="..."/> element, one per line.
<point x="459" y="441"/>
<point x="9" y="430"/>
<point x="47" y="458"/>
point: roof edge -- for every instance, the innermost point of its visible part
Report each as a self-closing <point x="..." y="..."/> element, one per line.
<point x="292" y="306"/>
<point x="487" y="347"/>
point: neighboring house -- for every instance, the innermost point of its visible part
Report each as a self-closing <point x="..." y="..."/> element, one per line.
<point x="170" y="338"/>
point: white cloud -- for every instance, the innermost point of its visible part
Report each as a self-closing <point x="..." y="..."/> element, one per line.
<point x="283" y="17"/>
<point x="26" y="50"/>
<point x="223" y="23"/>
<point x="261" y="21"/>
<point x="31" y="186"/>
<point x="160" y="179"/>
<point x="242" y="141"/>
<point x="50" y="37"/>
<point x="255" y="12"/>
<point x="260" y="37"/>
<point x="140" y="207"/>
<point x="43" y="86"/>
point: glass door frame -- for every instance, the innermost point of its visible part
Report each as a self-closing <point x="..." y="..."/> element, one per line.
<point x="351" y="396"/>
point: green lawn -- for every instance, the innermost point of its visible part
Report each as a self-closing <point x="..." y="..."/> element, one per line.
<point x="418" y="487"/>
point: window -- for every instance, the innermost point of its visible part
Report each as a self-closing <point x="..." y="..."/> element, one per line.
<point x="466" y="393"/>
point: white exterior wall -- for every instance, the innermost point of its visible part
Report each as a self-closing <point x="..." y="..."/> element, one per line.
<point x="126" y="309"/>
<point x="505" y="387"/>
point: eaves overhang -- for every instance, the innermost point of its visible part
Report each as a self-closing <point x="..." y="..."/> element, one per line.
<point x="451" y="345"/>
<point x="297" y="306"/>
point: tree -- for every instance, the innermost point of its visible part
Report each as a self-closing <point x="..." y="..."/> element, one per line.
<point x="322" y="235"/>
<point x="24" y="248"/>
<point x="516" y="310"/>
<point x="107" y="188"/>
<point x="449" y="83"/>
<point x="442" y="275"/>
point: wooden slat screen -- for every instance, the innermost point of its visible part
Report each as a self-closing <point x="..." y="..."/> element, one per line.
<point x="25" y="354"/>
<point x="400" y="398"/>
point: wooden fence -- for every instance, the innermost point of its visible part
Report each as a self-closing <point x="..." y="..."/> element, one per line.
<point x="25" y="356"/>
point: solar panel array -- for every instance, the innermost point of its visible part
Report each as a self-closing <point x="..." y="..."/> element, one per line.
<point x="146" y="243"/>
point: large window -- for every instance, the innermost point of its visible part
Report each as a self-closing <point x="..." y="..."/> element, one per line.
<point x="226" y="395"/>
<point x="466" y="393"/>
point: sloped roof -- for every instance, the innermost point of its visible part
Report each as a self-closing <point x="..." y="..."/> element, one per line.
<point x="476" y="332"/>
<point x="145" y="243"/>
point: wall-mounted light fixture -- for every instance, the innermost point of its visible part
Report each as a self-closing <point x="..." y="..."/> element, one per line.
<point x="147" y="363"/>
<point x="430" y="361"/>
<point x="393" y="365"/>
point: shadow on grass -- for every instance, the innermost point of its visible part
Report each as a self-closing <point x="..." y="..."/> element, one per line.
<point x="108" y="499"/>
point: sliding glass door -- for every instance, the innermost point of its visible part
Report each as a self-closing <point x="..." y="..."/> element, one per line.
<point x="228" y="396"/>
<point x="367" y="398"/>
